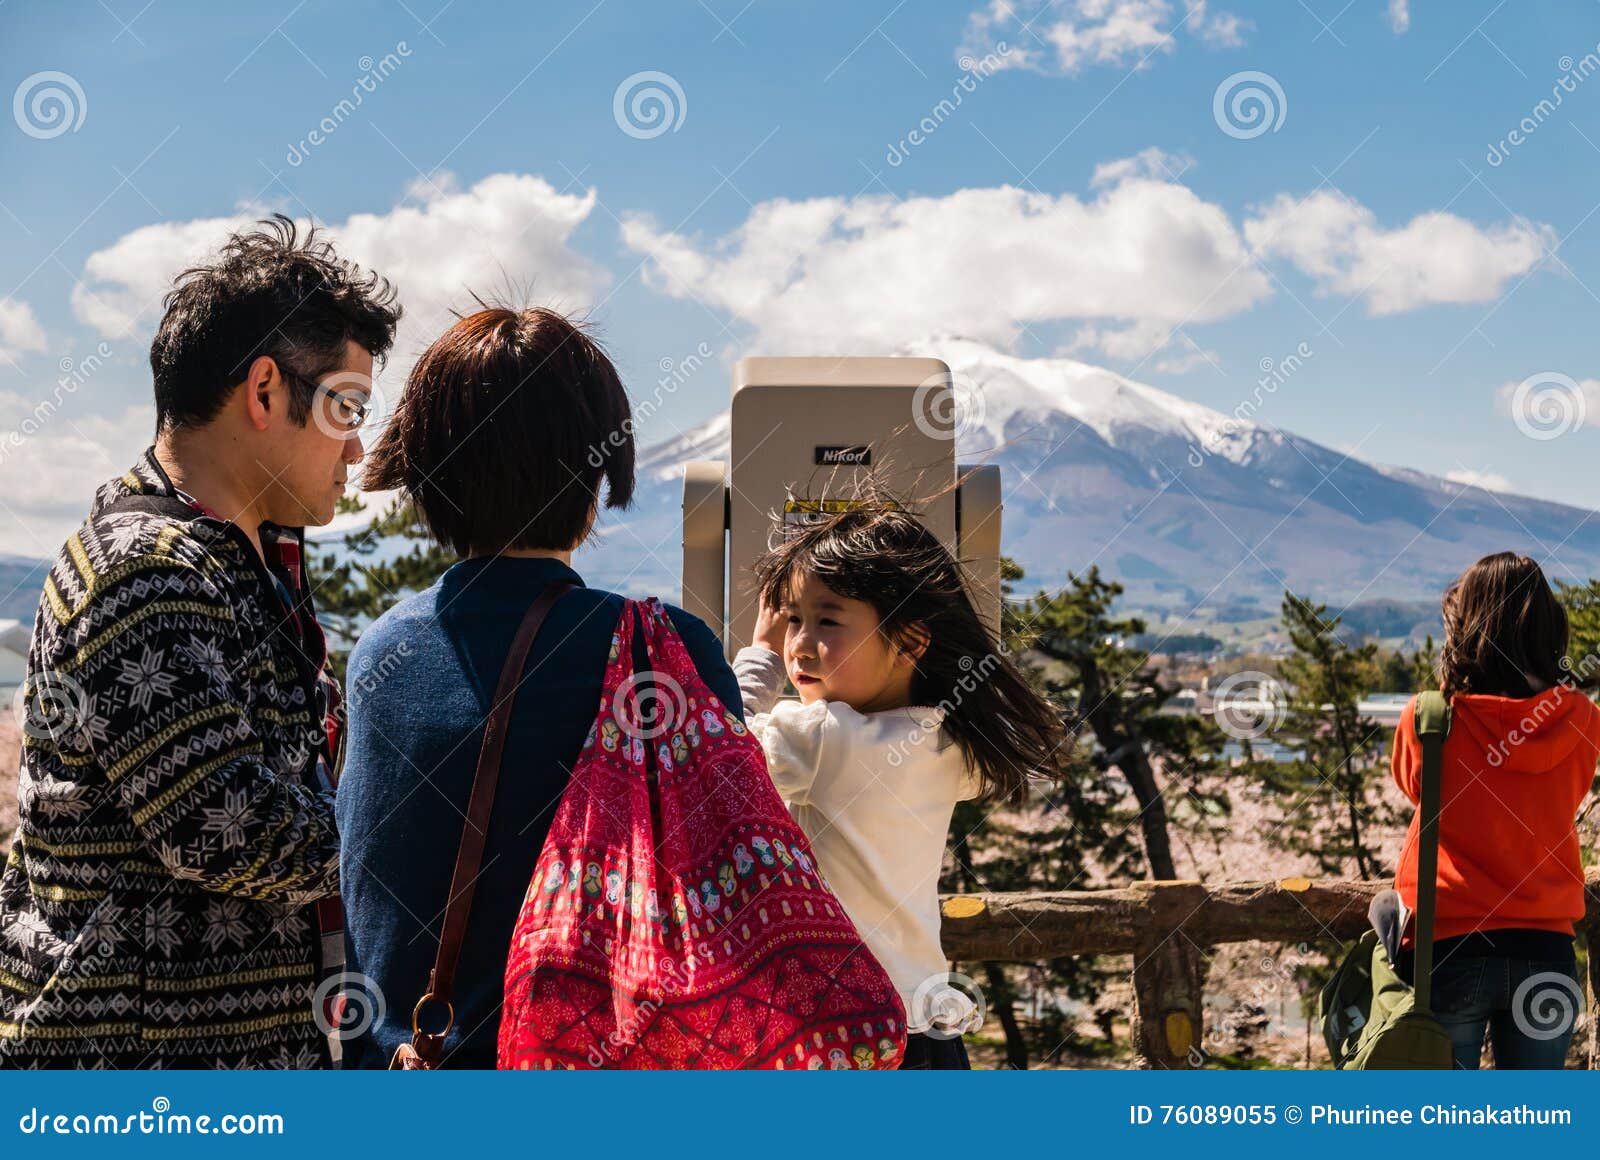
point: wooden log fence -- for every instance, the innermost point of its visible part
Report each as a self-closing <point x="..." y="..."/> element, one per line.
<point x="1145" y="919"/>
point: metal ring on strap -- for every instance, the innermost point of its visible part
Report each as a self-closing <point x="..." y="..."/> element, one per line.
<point x="416" y="1016"/>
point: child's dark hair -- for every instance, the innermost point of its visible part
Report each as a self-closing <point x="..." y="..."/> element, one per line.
<point x="887" y="558"/>
<point x="1502" y="626"/>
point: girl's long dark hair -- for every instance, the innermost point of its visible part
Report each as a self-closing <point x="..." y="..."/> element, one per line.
<point x="1502" y="625"/>
<point x="884" y="556"/>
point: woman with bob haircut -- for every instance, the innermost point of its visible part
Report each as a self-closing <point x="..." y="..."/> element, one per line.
<point x="1517" y="764"/>
<point x="509" y="425"/>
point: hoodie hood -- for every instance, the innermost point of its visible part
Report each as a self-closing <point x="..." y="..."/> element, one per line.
<point x="1525" y="734"/>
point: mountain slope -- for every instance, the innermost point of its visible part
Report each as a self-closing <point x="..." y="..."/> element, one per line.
<point x="20" y="582"/>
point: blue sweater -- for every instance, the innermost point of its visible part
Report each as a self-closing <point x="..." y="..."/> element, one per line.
<point x="419" y="686"/>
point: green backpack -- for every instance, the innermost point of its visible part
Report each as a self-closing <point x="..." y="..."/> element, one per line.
<point x="1371" y="1018"/>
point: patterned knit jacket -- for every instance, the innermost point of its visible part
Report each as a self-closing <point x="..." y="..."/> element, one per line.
<point x="156" y="907"/>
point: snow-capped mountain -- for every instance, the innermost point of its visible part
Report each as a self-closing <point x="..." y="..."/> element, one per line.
<point x="1182" y="503"/>
<point x="1188" y="507"/>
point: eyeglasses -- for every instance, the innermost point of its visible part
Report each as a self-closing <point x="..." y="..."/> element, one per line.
<point x="351" y="414"/>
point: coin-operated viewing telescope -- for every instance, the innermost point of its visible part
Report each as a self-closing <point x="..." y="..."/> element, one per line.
<point x="808" y="435"/>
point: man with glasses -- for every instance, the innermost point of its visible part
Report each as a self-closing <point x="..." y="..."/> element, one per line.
<point x="170" y="899"/>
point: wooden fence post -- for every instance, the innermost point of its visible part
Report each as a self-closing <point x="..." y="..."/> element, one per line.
<point x="1168" y="1009"/>
<point x="1594" y="993"/>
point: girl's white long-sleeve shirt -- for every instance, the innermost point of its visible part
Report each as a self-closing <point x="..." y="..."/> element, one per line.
<point x="874" y="793"/>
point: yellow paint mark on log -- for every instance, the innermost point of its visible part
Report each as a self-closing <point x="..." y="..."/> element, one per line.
<point x="1180" y="1033"/>
<point x="963" y="906"/>
<point x="1295" y="885"/>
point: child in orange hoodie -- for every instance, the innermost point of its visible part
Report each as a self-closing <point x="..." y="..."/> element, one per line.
<point x="1518" y="762"/>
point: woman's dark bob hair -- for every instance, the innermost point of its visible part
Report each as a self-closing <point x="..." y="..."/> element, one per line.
<point x="508" y="424"/>
<point x="1505" y="633"/>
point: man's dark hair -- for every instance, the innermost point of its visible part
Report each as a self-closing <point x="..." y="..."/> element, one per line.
<point x="272" y="291"/>
<point x="508" y="424"/>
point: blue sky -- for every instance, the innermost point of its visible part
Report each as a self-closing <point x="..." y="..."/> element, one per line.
<point x="789" y="209"/>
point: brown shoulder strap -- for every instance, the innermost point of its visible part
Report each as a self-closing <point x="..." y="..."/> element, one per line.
<point x="480" y="805"/>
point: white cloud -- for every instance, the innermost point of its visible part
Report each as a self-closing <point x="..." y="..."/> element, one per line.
<point x="20" y="332"/>
<point x="1070" y="36"/>
<point x="1488" y="480"/>
<point x="1136" y="344"/>
<point x="1399" y="15"/>
<point x="1125" y="344"/>
<point x="1220" y="29"/>
<point x="122" y="285"/>
<point x="1435" y="257"/>
<point x="1189" y="356"/>
<point x="1134" y="262"/>
<point x="52" y="460"/>
<point x="831" y="274"/>
<point x="1156" y="164"/>
<point x="1550" y="401"/>
<point x="507" y="233"/>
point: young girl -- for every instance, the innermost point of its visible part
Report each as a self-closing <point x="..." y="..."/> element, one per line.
<point x="1518" y="762"/>
<point x="906" y="707"/>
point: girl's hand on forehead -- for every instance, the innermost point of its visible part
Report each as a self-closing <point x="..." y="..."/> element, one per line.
<point x="771" y="626"/>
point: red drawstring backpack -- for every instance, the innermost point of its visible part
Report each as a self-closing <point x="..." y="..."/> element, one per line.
<point x="676" y="918"/>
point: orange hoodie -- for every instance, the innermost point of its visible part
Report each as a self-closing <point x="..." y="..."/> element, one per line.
<point x="1515" y="772"/>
